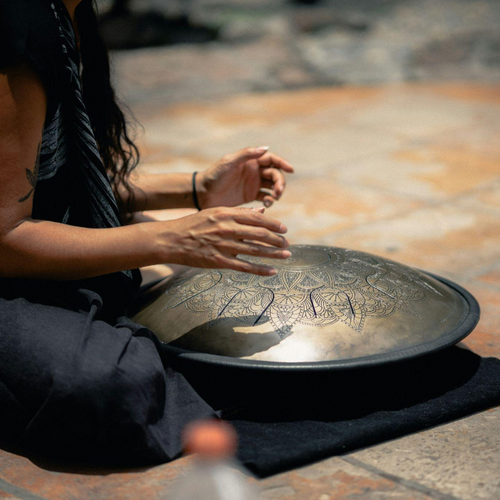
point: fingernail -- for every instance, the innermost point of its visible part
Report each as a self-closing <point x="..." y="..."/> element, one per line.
<point x="272" y="271"/>
<point x="261" y="149"/>
<point x="267" y="203"/>
<point x="287" y="254"/>
<point x="259" y="209"/>
<point x="283" y="228"/>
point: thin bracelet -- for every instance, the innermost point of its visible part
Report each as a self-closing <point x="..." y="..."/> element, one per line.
<point x="195" y="196"/>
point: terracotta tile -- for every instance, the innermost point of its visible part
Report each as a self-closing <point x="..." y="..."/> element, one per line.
<point x="480" y="137"/>
<point x="492" y="277"/>
<point x="161" y="163"/>
<point x="485" y="339"/>
<point x="331" y="480"/>
<point x="399" y="171"/>
<point x="415" y="112"/>
<point x="491" y="197"/>
<point x="487" y="198"/>
<point x="462" y="170"/>
<point x="64" y="483"/>
<point x="445" y="238"/>
<point x="308" y="127"/>
<point x="459" y="459"/>
<point x="183" y="134"/>
<point x="276" y="107"/>
<point x="314" y="152"/>
<point x="426" y="172"/>
<point x="193" y="123"/>
<point x="312" y="149"/>
<point x="313" y="208"/>
<point x="482" y="93"/>
<point x="8" y="496"/>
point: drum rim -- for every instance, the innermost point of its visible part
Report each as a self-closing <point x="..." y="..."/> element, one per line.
<point x="447" y="340"/>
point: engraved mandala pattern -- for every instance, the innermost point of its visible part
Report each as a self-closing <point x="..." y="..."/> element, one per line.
<point x="316" y="286"/>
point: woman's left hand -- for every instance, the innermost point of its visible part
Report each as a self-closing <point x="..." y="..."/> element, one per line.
<point x="247" y="175"/>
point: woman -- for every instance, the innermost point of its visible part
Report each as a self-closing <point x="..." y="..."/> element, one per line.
<point x="76" y="379"/>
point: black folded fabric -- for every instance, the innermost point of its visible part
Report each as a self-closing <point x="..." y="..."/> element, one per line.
<point x="290" y="420"/>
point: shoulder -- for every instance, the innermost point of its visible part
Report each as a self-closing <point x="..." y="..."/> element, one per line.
<point x="29" y="33"/>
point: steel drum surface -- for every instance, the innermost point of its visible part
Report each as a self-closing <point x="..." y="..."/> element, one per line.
<point x="326" y="307"/>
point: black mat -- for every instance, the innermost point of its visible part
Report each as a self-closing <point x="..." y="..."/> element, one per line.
<point x="287" y="420"/>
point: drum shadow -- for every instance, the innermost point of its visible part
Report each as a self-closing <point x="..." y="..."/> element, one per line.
<point x="227" y="339"/>
<point x="329" y="396"/>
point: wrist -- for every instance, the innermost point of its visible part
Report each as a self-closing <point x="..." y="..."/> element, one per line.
<point x="164" y="242"/>
<point x="155" y="241"/>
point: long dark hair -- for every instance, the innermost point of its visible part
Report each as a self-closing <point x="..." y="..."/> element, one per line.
<point x="111" y="128"/>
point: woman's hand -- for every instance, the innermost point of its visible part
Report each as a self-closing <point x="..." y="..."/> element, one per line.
<point x="213" y="238"/>
<point x="241" y="177"/>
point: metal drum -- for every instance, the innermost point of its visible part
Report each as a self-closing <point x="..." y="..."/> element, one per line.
<point x="327" y="308"/>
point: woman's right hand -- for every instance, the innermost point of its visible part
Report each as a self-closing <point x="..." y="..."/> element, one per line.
<point x="213" y="238"/>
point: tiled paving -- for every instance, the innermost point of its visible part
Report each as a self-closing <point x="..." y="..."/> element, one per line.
<point x="410" y="172"/>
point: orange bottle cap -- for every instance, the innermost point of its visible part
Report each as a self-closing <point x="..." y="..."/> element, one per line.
<point x="212" y="439"/>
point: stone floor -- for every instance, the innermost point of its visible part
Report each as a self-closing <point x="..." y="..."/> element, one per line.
<point x="410" y="172"/>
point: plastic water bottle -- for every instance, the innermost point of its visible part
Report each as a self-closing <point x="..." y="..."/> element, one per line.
<point x="214" y="475"/>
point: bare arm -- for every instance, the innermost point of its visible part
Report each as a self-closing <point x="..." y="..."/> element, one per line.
<point x="241" y="177"/>
<point x="43" y="249"/>
<point x="30" y="248"/>
<point x="251" y="174"/>
<point x="160" y="191"/>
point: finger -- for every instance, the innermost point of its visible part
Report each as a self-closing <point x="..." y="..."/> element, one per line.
<point x="247" y="267"/>
<point x="251" y="267"/>
<point x="277" y="179"/>
<point x="252" y="217"/>
<point x="245" y="154"/>
<point x="265" y="184"/>
<point x="270" y="159"/>
<point x="260" y="235"/>
<point x="255" y="250"/>
<point x="259" y="209"/>
<point x="265" y="197"/>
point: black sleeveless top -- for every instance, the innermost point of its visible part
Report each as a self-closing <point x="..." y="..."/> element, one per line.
<point x="72" y="186"/>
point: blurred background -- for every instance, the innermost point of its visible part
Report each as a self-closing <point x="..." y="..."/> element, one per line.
<point x="209" y="48"/>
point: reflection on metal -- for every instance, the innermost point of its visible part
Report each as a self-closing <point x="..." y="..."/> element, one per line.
<point x="324" y="304"/>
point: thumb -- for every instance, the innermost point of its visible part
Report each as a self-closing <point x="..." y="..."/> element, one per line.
<point x="247" y="154"/>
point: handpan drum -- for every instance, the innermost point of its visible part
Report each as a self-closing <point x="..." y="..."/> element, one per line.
<point x="326" y="308"/>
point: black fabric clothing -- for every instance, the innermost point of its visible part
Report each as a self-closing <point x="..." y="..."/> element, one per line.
<point x="77" y="382"/>
<point x="76" y="388"/>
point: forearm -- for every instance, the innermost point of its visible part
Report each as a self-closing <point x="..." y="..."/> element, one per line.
<point x="212" y="238"/>
<point x="160" y="191"/>
<point x="43" y="249"/>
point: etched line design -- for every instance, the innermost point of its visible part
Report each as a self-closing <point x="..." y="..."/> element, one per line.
<point x="321" y="286"/>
